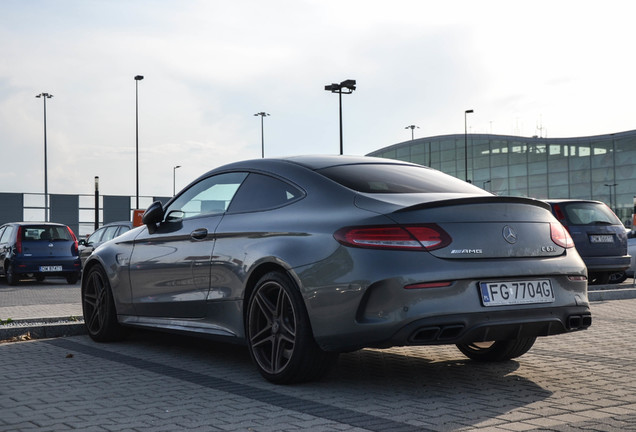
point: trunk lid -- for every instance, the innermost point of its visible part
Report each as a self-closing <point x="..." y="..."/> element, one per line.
<point x="481" y="227"/>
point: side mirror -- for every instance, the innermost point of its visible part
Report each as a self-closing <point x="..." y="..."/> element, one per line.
<point x="153" y="215"/>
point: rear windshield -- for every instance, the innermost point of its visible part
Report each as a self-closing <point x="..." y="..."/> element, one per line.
<point x="582" y="213"/>
<point x="45" y="232"/>
<point x="396" y="179"/>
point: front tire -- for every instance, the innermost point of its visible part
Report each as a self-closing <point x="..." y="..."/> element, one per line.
<point x="12" y="278"/>
<point x="496" y="351"/>
<point x="100" y="315"/>
<point x="279" y="335"/>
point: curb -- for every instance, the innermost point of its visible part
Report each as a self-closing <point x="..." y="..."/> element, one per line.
<point x="612" y="294"/>
<point x="41" y="329"/>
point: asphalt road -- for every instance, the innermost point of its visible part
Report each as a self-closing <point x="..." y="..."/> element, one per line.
<point x="155" y="382"/>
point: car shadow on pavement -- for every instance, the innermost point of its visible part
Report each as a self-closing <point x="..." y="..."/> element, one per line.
<point x="435" y="379"/>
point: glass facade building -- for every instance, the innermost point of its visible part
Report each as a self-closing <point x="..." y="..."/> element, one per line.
<point x="599" y="167"/>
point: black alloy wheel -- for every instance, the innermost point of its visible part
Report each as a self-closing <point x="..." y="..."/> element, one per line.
<point x="100" y="316"/>
<point x="495" y="351"/>
<point x="279" y="335"/>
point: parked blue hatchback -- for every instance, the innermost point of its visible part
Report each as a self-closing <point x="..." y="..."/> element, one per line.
<point x="598" y="234"/>
<point x="36" y="249"/>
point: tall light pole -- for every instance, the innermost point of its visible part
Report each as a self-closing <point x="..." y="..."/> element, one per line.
<point x="466" y="142"/>
<point x="412" y="127"/>
<point x="174" y="179"/>
<point x="349" y="86"/>
<point x="44" y="97"/>
<point x="610" y="186"/>
<point x="262" y="114"/>
<point x="96" y="202"/>
<point x="137" y="79"/>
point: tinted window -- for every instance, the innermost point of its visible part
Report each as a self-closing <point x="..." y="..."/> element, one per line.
<point x="209" y="196"/>
<point x="583" y="213"/>
<point x="96" y="236"/>
<point x="385" y="178"/>
<point x="109" y="233"/>
<point x="6" y="235"/>
<point x="45" y="232"/>
<point x="261" y="192"/>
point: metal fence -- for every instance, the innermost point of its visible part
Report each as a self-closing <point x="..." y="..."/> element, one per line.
<point x="76" y="211"/>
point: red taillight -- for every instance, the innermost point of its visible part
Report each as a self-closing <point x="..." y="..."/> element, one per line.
<point x="560" y="235"/>
<point x="75" y="247"/>
<point x="414" y="237"/>
<point x="558" y="212"/>
<point x="18" y="242"/>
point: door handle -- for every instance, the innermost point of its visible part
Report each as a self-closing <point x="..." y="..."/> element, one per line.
<point x="199" y="234"/>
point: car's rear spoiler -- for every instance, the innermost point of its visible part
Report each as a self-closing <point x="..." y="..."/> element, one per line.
<point x="477" y="200"/>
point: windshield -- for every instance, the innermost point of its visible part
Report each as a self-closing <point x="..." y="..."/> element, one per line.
<point x="45" y="232"/>
<point x="396" y="179"/>
<point x="586" y="213"/>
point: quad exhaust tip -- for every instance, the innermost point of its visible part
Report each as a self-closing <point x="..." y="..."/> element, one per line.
<point x="579" y="322"/>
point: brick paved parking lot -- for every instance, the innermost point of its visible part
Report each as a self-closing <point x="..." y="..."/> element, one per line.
<point x="154" y="382"/>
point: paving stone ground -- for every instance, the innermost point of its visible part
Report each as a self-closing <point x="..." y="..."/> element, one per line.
<point x="585" y="381"/>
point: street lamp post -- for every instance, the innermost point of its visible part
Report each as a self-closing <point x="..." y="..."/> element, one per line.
<point x="96" y="202"/>
<point x="262" y="114"/>
<point x="412" y="127"/>
<point x="611" y="203"/>
<point x="174" y="179"/>
<point x="44" y="97"/>
<point x="466" y="143"/>
<point x="137" y="79"/>
<point x="349" y="85"/>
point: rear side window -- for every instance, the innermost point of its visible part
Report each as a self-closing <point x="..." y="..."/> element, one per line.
<point x="261" y="192"/>
<point x="45" y="232"/>
<point x="585" y="213"/>
<point x="396" y="179"/>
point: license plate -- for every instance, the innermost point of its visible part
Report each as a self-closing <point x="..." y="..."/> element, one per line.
<point x="50" y="268"/>
<point x="601" y="238"/>
<point x="516" y="292"/>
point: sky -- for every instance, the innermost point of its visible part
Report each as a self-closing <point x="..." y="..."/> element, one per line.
<point x="549" y="68"/>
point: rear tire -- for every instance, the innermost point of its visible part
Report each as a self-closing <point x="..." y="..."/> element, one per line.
<point x="72" y="278"/>
<point x="100" y="315"/>
<point x="599" y="278"/>
<point x="618" y="277"/>
<point x="279" y="335"/>
<point x="12" y="278"/>
<point x="496" y="351"/>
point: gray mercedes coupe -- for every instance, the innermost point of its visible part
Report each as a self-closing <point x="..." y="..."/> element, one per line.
<point x="301" y="258"/>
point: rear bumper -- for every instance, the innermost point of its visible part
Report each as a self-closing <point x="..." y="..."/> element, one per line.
<point x="609" y="263"/>
<point x="489" y="326"/>
<point x="67" y="264"/>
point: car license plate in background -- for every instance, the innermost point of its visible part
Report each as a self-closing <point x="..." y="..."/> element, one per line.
<point x="595" y="238"/>
<point x="50" y="268"/>
<point x="516" y="292"/>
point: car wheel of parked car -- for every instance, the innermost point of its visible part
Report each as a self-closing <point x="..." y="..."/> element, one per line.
<point x="616" y="278"/>
<point x="496" y="350"/>
<point x="72" y="278"/>
<point x="98" y="306"/>
<point x="598" y="278"/>
<point x="12" y="278"/>
<point x="279" y="335"/>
